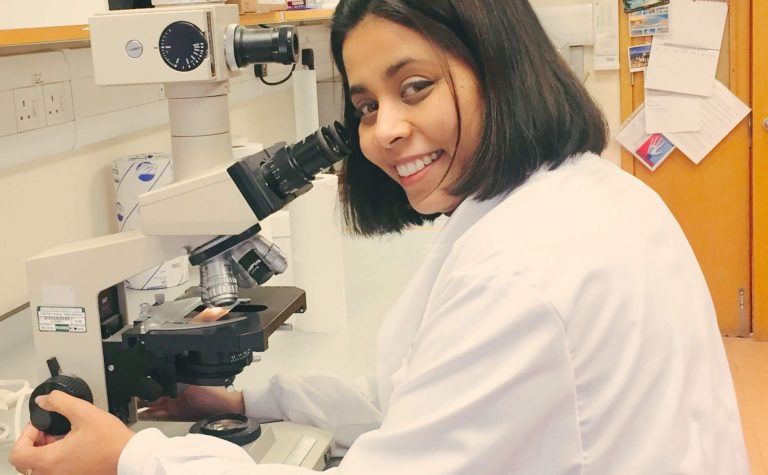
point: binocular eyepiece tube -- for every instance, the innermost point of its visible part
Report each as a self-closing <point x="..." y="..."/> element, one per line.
<point x="293" y="167"/>
<point x="268" y="180"/>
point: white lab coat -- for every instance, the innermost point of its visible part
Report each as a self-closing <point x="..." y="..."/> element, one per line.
<point x="564" y="329"/>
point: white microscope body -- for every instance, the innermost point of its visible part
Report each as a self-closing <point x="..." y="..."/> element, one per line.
<point x="191" y="49"/>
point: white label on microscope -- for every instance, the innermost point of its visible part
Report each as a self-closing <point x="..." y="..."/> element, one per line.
<point x="61" y="319"/>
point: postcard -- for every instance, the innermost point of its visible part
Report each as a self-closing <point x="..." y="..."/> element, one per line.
<point x="653" y="151"/>
<point x="649" y="149"/>
<point x="649" y="22"/>
<point x="634" y="5"/>
<point x="638" y="57"/>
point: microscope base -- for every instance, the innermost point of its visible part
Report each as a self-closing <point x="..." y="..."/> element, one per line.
<point x="280" y="442"/>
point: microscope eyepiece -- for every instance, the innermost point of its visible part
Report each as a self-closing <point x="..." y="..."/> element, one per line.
<point x="269" y="179"/>
<point x="252" y="45"/>
<point x="336" y="139"/>
<point x="294" y="166"/>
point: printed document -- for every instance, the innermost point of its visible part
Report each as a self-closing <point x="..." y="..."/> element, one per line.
<point x="671" y="112"/>
<point x="720" y="114"/>
<point x="685" y="60"/>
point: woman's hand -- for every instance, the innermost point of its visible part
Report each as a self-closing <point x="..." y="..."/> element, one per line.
<point x="92" y="447"/>
<point x="195" y="403"/>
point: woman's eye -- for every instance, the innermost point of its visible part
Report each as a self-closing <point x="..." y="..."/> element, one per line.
<point x="415" y="87"/>
<point x="366" y="108"/>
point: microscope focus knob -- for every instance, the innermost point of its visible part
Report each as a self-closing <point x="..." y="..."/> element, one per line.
<point x="149" y="389"/>
<point x="54" y="423"/>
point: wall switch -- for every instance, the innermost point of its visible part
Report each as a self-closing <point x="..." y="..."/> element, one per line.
<point x="7" y="114"/>
<point x="58" y="103"/>
<point x="29" y="108"/>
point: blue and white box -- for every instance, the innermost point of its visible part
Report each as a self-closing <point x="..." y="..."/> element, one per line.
<point x="134" y="175"/>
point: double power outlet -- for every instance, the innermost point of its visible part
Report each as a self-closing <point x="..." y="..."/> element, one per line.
<point x="43" y="105"/>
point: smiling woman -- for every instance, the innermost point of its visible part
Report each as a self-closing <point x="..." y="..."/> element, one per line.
<point x="473" y="96"/>
<point x="560" y="323"/>
<point x="407" y="95"/>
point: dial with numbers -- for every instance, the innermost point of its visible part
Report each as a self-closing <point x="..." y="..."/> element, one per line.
<point x="183" y="46"/>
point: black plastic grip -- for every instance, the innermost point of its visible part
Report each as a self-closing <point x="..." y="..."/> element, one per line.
<point x="54" y="423"/>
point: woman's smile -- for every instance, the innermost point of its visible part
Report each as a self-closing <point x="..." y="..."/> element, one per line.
<point x="411" y="170"/>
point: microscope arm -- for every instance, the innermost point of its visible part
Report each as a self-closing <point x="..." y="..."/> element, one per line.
<point x="209" y="203"/>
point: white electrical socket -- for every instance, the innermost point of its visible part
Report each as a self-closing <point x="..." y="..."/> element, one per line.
<point x="29" y="108"/>
<point x="58" y="103"/>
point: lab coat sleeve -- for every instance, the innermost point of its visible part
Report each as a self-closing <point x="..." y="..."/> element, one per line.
<point x="487" y="389"/>
<point x="322" y="400"/>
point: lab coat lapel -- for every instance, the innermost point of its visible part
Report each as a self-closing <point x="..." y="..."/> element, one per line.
<point x="395" y="339"/>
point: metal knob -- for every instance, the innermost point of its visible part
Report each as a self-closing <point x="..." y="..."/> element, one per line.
<point x="765" y="124"/>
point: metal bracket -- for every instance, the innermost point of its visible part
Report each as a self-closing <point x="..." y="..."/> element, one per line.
<point x="745" y="322"/>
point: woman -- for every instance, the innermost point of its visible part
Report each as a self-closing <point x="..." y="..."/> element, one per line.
<point x="560" y="323"/>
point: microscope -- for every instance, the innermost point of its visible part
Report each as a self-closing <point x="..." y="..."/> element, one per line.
<point x="211" y="212"/>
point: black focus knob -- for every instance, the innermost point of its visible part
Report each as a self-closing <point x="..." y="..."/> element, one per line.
<point x="54" y="423"/>
<point x="149" y="389"/>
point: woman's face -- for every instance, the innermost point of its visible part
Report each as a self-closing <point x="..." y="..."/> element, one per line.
<point x="409" y="124"/>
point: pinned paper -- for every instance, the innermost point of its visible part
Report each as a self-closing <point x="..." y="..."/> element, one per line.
<point x="671" y="112"/>
<point x="720" y="114"/>
<point x="685" y="60"/>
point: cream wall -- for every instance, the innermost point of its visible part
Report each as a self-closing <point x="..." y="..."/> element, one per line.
<point x="603" y="85"/>
<point x="69" y="196"/>
<point x="605" y="88"/>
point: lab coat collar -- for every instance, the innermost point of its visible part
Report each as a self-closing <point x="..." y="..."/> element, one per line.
<point x="464" y="216"/>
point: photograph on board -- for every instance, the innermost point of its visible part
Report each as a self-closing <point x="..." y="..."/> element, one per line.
<point x="634" y="5"/>
<point x="638" y="57"/>
<point x="649" y="22"/>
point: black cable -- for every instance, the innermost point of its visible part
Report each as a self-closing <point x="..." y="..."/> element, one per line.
<point x="308" y="58"/>
<point x="277" y="83"/>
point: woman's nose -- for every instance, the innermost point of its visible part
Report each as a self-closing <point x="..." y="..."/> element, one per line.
<point x="392" y="125"/>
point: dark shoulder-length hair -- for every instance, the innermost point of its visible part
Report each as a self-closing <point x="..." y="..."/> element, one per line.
<point x="537" y="112"/>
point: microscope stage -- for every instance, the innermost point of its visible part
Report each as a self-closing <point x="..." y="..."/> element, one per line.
<point x="148" y="363"/>
<point x="248" y="324"/>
